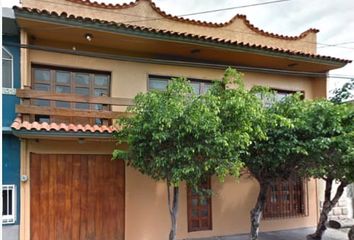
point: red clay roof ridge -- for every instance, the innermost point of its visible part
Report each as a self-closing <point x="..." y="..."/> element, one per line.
<point x="192" y="21"/>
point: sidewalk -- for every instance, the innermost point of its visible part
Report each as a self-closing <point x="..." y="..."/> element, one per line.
<point x="297" y="234"/>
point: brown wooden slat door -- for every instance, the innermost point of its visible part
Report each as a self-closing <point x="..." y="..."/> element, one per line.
<point x="76" y="197"/>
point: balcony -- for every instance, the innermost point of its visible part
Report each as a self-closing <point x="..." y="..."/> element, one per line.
<point x="38" y="112"/>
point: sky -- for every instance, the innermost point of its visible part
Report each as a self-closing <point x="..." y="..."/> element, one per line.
<point x="334" y="19"/>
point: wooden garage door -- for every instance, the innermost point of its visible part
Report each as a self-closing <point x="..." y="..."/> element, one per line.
<point x="76" y="197"/>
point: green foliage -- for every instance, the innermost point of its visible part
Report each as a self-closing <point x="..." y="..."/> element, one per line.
<point x="242" y="118"/>
<point x="343" y="93"/>
<point x="330" y="128"/>
<point x="169" y="133"/>
<point x="314" y="138"/>
<point x="175" y="135"/>
<point x="279" y="155"/>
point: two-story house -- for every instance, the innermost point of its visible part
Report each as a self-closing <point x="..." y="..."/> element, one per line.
<point x="10" y="143"/>
<point x="82" y="63"/>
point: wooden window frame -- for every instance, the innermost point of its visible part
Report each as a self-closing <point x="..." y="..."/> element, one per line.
<point x="201" y="82"/>
<point x="296" y="205"/>
<point x="72" y="84"/>
<point x="190" y="208"/>
<point x="10" y="218"/>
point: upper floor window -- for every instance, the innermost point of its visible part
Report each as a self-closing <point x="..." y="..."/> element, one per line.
<point x="278" y="96"/>
<point x="80" y="82"/>
<point x="9" y="204"/>
<point x="286" y="199"/>
<point x="160" y="83"/>
<point x="199" y="209"/>
<point x="69" y="81"/>
<point x="281" y="94"/>
<point x="7" y="69"/>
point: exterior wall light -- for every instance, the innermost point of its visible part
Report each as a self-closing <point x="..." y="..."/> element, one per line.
<point x="24" y="178"/>
<point x="88" y="37"/>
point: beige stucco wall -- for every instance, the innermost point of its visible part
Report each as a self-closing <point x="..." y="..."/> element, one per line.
<point x="146" y="213"/>
<point x="130" y="78"/>
<point x="143" y="14"/>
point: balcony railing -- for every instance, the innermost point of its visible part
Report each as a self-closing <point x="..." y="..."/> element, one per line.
<point x="29" y="109"/>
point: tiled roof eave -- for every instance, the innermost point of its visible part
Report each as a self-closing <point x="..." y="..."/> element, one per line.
<point x="35" y="129"/>
<point x="152" y="33"/>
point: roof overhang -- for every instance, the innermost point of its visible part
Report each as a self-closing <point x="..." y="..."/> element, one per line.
<point x="62" y="135"/>
<point x="154" y="43"/>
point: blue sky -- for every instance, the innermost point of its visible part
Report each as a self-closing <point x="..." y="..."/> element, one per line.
<point x="334" y="19"/>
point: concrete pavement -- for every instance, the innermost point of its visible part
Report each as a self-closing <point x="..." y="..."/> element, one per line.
<point x="296" y="234"/>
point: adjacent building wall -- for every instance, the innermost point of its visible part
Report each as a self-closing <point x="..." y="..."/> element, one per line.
<point x="342" y="209"/>
<point x="10" y="143"/>
<point x="9" y="100"/>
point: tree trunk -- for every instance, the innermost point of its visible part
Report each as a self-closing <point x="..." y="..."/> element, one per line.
<point x="256" y="212"/>
<point x="328" y="205"/>
<point x="173" y="209"/>
<point x="351" y="233"/>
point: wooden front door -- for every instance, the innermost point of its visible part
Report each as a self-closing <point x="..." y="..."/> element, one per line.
<point x="76" y="197"/>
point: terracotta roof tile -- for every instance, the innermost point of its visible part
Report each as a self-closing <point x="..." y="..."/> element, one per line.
<point x="191" y="21"/>
<point x="181" y="34"/>
<point x="18" y="124"/>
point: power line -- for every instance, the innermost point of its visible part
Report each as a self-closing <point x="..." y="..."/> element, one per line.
<point x="159" y="18"/>
<point x="214" y="10"/>
<point x="232" y="8"/>
<point x="182" y="15"/>
<point x="322" y="45"/>
<point x="338" y="44"/>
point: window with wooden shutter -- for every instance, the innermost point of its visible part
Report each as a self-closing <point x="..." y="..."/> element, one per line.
<point x="199" y="209"/>
<point x="57" y="80"/>
<point x="286" y="199"/>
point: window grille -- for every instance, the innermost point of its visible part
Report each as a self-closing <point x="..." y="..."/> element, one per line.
<point x="286" y="199"/>
<point x="9" y="204"/>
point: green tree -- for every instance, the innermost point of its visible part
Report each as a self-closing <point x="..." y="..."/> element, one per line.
<point x="330" y="131"/>
<point x="343" y="93"/>
<point x="176" y="136"/>
<point x="277" y="156"/>
<point x="242" y="116"/>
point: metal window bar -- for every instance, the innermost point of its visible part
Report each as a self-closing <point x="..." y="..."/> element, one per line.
<point x="9" y="204"/>
<point x="286" y="199"/>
